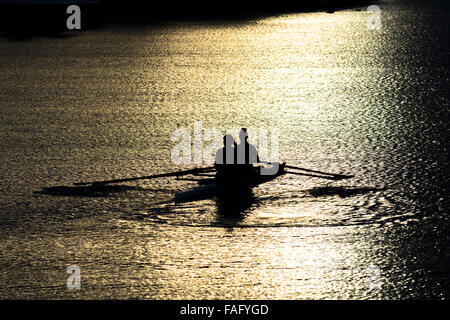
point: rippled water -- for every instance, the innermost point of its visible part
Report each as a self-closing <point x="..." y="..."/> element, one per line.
<point x="103" y="103"/>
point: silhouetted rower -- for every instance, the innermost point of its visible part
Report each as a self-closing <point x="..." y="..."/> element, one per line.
<point x="247" y="155"/>
<point x="225" y="161"/>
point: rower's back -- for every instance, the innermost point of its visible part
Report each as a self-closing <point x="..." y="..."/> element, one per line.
<point x="225" y="159"/>
<point x="247" y="155"/>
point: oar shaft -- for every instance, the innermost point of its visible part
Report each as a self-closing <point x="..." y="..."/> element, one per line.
<point x="335" y="177"/>
<point x="169" y="174"/>
<point x="313" y="171"/>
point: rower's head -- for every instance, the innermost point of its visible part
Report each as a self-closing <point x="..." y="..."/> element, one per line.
<point x="228" y="140"/>
<point x="243" y="136"/>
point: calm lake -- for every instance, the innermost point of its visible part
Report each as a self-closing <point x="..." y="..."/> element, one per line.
<point x="343" y="97"/>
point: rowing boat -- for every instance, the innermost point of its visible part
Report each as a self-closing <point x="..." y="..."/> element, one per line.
<point x="213" y="187"/>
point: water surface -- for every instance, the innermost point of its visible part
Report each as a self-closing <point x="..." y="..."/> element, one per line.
<point x="103" y="103"/>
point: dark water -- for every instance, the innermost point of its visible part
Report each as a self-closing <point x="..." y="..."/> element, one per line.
<point x="103" y="103"/>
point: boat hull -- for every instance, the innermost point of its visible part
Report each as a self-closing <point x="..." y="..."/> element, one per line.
<point x="208" y="190"/>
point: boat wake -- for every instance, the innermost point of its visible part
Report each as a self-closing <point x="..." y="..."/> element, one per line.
<point x="317" y="207"/>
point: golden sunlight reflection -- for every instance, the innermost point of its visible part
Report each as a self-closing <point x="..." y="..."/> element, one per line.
<point x="293" y="72"/>
<point x="343" y="99"/>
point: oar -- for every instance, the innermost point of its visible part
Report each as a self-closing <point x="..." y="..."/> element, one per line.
<point x="196" y="179"/>
<point x="161" y="175"/>
<point x="334" y="177"/>
<point x="320" y="172"/>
